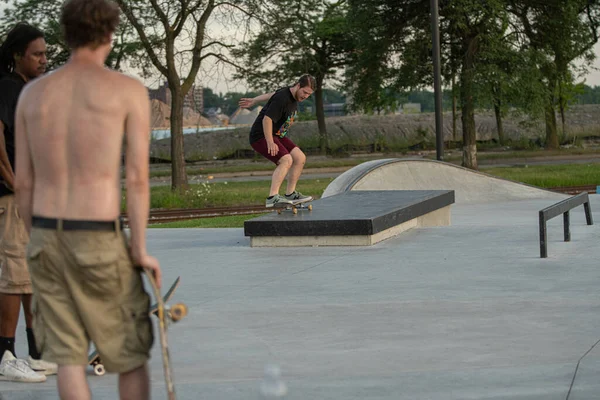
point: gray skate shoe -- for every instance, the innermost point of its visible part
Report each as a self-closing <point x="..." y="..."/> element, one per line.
<point x="298" y="198"/>
<point x="278" y="201"/>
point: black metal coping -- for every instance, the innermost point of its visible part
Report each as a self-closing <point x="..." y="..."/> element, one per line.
<point x="352" y="213"/>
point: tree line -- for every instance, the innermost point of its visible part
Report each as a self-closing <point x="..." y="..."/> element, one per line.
<point x="525" y="55"/>
<point x="228" y="102"/>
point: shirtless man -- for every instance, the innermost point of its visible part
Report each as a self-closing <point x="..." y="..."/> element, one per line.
<point x="84" y="271"/>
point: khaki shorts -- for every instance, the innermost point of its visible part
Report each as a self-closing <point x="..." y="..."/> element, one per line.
<point x="87" y="289"/>
<point x="14" y="275"/>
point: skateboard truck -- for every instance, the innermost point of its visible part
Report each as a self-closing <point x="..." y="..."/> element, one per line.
<point x="294" y="207"/>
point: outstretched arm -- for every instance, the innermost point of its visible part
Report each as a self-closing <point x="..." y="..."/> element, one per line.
<point x="248" y="102"/>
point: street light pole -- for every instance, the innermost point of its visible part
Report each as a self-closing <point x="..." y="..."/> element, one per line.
<point x="437" y="79"/>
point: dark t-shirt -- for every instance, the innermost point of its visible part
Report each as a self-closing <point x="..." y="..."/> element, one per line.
<point x="282" y="108"/>
<point x="10" y="89"/>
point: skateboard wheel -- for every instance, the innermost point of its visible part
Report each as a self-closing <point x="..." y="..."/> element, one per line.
<point x="295" y="210"/>
<point x="278" y="211"/>
<point x="178" y="311"/>
<point x="99" y="369"/>
<point x="310" y="207"/>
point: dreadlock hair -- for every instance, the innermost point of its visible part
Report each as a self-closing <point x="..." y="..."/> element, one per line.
<point x="16" y="43"/>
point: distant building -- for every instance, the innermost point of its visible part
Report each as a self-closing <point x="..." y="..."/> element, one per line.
<point x="194" y="98"/>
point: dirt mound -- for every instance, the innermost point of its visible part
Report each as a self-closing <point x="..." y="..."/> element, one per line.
<point x="161" y="116"/>
<point x="243" y="116"/>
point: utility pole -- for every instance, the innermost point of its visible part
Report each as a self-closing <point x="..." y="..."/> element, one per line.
<point x="437" y="79"/>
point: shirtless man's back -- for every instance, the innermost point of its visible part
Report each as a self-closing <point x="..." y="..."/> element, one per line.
<point x="70" y="130"/>
<point x="76" y="119"/>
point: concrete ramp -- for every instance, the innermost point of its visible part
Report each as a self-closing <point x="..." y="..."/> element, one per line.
<point x="407" y="174"/>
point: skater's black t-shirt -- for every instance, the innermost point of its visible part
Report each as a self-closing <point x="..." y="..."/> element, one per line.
<point x="10" y="89"/>
<point x="282" y="108"/>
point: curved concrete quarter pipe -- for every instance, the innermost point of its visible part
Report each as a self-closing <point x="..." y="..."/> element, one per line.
<point x="418" y="174"/>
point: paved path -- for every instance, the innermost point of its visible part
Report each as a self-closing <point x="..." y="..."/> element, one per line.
<point x="468" y="311"/>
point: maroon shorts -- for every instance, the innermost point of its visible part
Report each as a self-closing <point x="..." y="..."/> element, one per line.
<point x="285" y="147"/>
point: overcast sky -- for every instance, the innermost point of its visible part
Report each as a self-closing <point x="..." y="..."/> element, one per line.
<point x="219" y="79"/>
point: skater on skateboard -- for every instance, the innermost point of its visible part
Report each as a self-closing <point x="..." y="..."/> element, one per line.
<point x="69" y="130"/>
<point x="268" y="137"/>
<point x="22" y="59"/>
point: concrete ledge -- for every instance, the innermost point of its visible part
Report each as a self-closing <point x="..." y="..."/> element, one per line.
<point x="357" y="218"/>
<point x="439" y="217"/>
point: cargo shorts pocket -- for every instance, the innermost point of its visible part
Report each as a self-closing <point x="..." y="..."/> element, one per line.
<point x="139" y="334"/>
<point x="99" y="272"/>
<point x="14" y="267"/>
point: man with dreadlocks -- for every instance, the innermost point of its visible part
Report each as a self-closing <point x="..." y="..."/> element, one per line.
<point x="22" y="59"/>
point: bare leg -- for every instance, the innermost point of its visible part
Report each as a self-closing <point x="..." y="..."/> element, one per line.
<point x="280" y="172"/>
<point x="10" y="306"/>
<point x="299" y="160"/>
<point x="72" y="383"/>
<point x="26" y="301"/>
<point x="135" y="385"/>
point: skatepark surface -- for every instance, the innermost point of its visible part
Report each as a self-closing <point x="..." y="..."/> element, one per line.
<point x="466" y="311"/>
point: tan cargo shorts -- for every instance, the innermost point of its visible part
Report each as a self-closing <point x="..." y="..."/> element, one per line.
<point x="14" y="275"/>
<point x="87" y="289"/>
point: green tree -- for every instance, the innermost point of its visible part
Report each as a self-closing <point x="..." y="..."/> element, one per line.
<point x="560" y="32"/>
<point x="588" y="95"/>
<point x="396" y="50"/>
<point x="45" y="14"/>
<point x="210" y="99"/>
<point x="230" y="101"/>
<point x="497" y="79"/>
<point x="297" y="37"/>
<point x="378" y="29"/>
<point x="175" y="37"/>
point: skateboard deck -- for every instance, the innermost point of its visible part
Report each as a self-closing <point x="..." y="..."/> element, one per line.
<point x="175" y="314"/>
<point x="94" y="358"/>
<point x="294" y="207"/>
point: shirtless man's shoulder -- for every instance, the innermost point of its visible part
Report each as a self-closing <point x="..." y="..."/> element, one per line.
<point x="113" y="83"/>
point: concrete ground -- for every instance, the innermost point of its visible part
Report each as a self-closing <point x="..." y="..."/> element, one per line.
<point x="468" y="311"/>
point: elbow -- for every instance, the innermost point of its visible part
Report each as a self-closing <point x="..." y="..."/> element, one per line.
<point x="137" y="182"/>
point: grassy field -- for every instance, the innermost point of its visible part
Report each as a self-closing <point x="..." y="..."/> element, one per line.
<point x="547" y="176"/>
<point x="227" y="194"/>
<point x="250" y="193"/>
